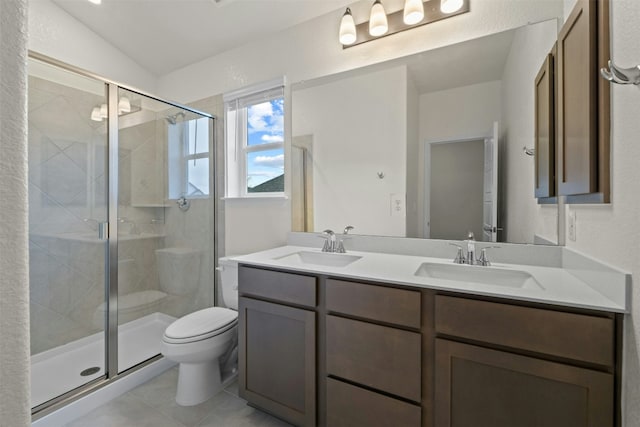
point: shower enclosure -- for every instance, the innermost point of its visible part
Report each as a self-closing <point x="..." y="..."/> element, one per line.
<point x="121" y="227"/>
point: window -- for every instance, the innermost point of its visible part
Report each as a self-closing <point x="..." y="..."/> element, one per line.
<point x="188" y="156"/>
<point x="254" y="123"/>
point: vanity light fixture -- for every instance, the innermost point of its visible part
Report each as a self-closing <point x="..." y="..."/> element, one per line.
<point x="414" y="14"/>
<point x="347" y="28"/>
<point x="378" y="24"/>
<point x="450" y="6"/>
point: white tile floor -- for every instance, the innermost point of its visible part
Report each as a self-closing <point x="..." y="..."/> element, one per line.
<point x="153" y="404"/>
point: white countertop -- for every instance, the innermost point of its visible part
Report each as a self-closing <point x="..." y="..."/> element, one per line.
<point x="559" y="285"/>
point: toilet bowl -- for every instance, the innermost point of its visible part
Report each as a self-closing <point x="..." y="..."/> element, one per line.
<point x="203" y="341"/>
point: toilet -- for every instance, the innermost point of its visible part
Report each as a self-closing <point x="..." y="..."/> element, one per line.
<point x="204" y="342"/>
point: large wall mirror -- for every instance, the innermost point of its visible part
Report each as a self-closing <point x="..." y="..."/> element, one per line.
<point x="426" y="146"/>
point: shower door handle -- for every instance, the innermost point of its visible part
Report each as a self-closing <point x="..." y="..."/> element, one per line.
<point x="103" y="230"/>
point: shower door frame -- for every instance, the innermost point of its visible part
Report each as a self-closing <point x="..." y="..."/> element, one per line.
<point x="111" y="257"/>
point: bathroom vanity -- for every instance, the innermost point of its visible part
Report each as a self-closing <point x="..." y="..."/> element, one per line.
<point x="322" y="343"/>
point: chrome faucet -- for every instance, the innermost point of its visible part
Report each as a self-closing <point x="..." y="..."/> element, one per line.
<point x="330" y="244"/>
<point x="484" y="260"/>
<point x="340" y="249"/>
<point x="471" y="249"/>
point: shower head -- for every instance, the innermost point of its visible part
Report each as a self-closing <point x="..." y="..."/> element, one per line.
<point x="173" y="119"/>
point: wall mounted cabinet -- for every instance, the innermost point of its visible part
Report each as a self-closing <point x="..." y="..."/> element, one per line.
<point x="583" y="104"/>
<point x="545" y="129"/>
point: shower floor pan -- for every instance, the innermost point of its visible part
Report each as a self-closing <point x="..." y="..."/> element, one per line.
<point x="57" y="371"/>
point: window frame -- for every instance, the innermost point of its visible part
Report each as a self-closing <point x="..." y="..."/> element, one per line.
<point x="237" y="148"/>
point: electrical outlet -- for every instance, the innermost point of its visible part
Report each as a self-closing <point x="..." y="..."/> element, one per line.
<point x="397" y="204"/>
<point x="572" y="226"/>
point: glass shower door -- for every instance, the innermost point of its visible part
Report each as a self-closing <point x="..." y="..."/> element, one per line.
<point x="67" y="210"/>
<point x="165" y="249"/>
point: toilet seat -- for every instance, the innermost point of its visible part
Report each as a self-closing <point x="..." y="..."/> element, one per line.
<point x="200" y="325"/>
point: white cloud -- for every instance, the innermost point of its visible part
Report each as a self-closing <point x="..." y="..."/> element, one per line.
<point x="272" y="138"/>
<point x="263" y="118"/>
<point x="270" y="161"/>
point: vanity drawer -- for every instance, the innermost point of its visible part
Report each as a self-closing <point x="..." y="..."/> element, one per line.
<point x="380" y="357"/>
<point x="276" y="285"/>
<point x="573" y="336"/>
<point x="378" y="303"/>
<point x="351" y="406"/>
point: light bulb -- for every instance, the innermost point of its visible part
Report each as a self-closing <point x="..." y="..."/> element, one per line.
<point x="347" y="28"/>
<point x="450" y="6"/>
<point x="378" y="20"/>
<point x="413" y="12"/>
<point x="95" y="114"/>
<point x="124" y="105"/>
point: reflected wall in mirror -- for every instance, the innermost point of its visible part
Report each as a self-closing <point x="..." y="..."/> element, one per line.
<point x="404" y="148"/>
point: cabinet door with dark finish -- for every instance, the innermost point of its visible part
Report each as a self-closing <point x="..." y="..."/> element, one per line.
<point x="583" y="113"/>
<point x="379" y="357"/>
<point x="351" y="406"/>
<point x="479" y="387"/>
<point x="276" y="360"/>
<point x="545" y="130"/>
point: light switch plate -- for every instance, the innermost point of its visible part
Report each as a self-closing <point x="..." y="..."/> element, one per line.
<point x="572" y="226"/>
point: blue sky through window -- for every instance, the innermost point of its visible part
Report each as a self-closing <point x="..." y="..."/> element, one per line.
<point x="265" y="124"/>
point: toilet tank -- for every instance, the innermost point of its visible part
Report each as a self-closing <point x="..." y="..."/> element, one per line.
<point x="229" y="282"/>
<point x="178" y="270"/>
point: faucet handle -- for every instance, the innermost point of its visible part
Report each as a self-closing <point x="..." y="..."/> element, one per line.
<point x="329" y="240"/>
<point x="347" y="229"/>
<point x="459" y="259"/>
<point x="484" y="260"/>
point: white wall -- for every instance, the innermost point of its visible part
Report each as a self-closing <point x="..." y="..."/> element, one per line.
<point x="55" y="33"/>
<point x="359" y="128"/>
<point x="523" y="217"/>
<point x="14" y="256"/>
<point x="460" y="113"/>
<point x="612" y="232"/>
<point x="415" y="197"/>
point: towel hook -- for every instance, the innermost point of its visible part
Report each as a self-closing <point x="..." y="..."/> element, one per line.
<point x="529" y="151"/>
<point x="623" y="76"/>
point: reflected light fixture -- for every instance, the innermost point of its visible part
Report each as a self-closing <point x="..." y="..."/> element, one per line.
<point x="100" y="112"/>
<point x="124" y="105"/>
<point x="378" y="20"/>
<point x="450" y="6"/>
<point x="347" y="28"/>
<point x="413" y="12"/>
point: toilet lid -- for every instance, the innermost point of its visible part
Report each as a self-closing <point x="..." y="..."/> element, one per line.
<point x="201" y="324"/>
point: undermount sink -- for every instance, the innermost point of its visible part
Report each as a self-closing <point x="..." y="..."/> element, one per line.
<point x="327" y="259"/>
<point x="479" y="274"/>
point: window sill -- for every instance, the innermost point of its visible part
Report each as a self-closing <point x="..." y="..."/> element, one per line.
<point x="283" y="197"/>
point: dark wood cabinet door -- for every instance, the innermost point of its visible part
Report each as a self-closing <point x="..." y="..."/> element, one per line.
<point x="277" y="359"/>
<point x="583" y="105"/>
<point x="545" y="185"/>
<point x="479" y="387"/>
